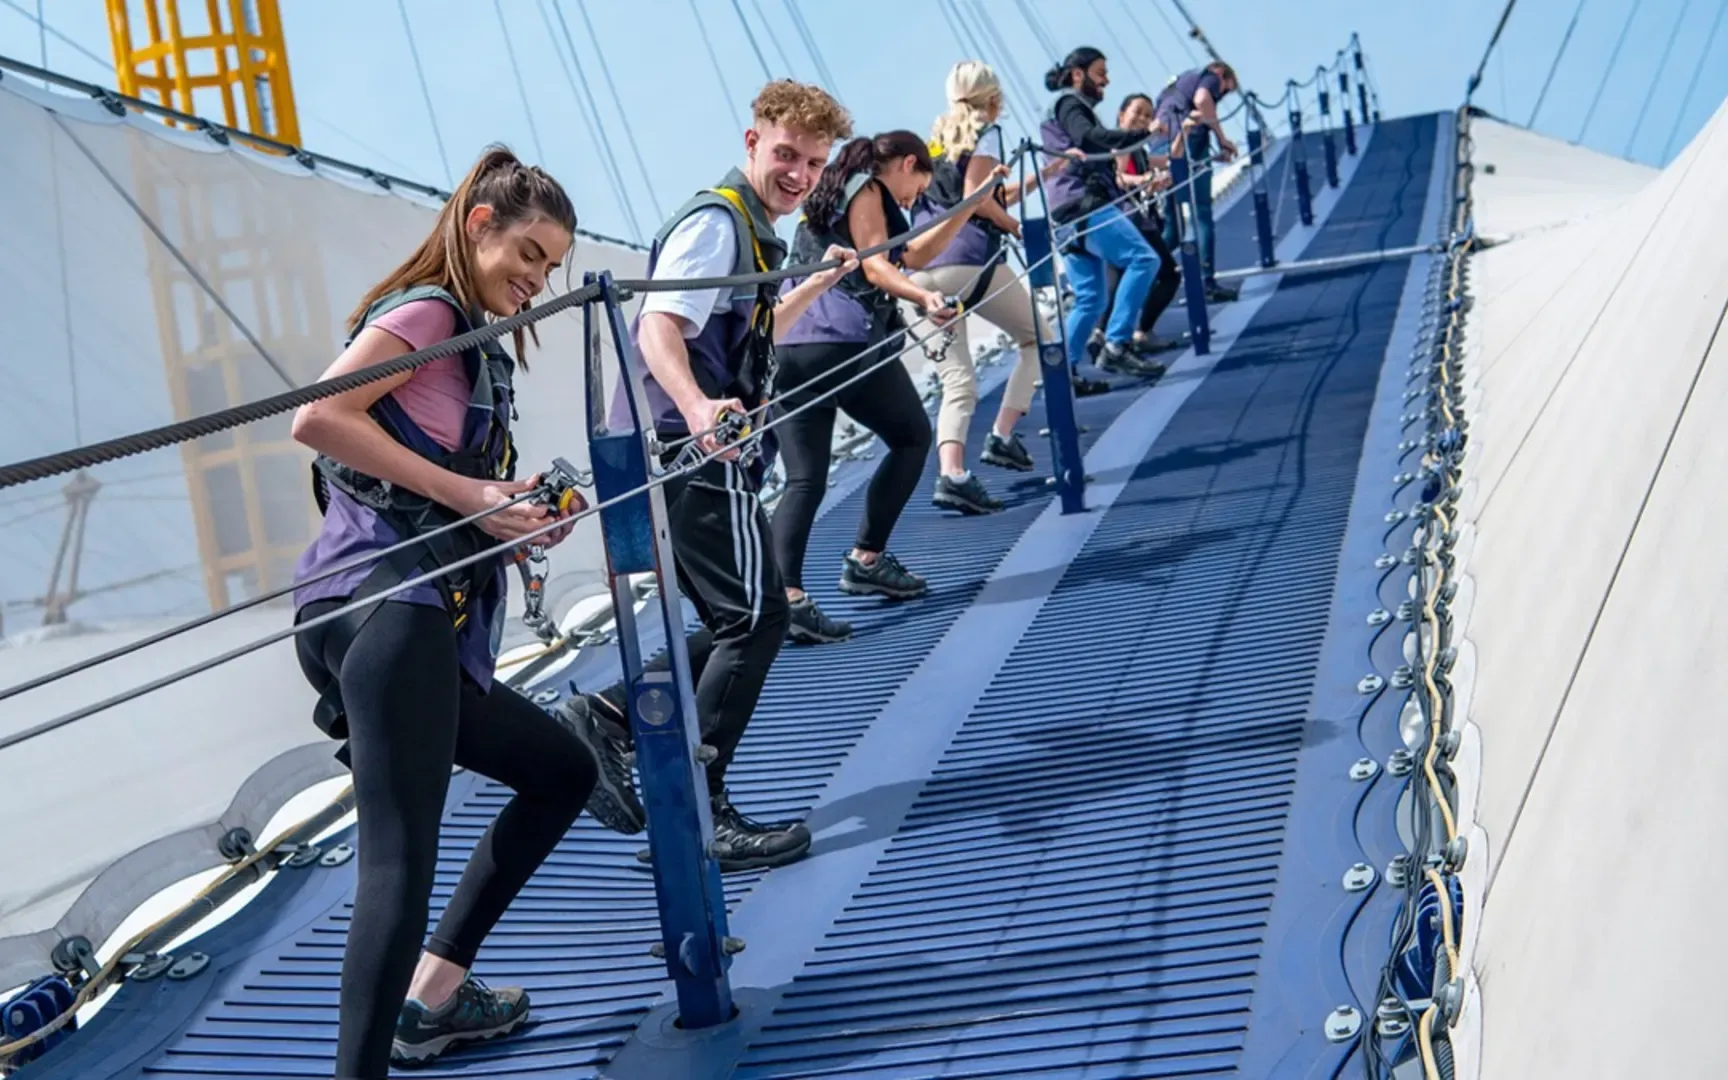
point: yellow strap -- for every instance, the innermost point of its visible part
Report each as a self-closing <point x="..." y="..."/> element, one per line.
<point x="737" y="202"/>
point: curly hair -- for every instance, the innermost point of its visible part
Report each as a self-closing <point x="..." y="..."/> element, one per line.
<point x="802" y="107"/>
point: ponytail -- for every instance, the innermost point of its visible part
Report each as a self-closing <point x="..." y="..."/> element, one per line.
<point x="860" y="155"/>
<point x="515" y="192"/>
<point x="971" y="87"/>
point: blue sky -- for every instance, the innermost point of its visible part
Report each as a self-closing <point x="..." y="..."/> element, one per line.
<point x="359" y="97"/>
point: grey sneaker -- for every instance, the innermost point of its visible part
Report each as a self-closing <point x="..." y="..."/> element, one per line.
<point x="810" y="625"/>
<point x="474" y="1012"/>
<point x="884" y="577"/>
<point x="1009" y="453"/>
<point x="969" y="496"/>
<point x="614" y="802"/>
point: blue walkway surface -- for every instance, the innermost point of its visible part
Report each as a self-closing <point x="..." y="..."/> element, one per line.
<point x="1058" y="802"/>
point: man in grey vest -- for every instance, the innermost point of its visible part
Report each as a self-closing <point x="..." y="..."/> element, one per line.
<point x="1188" y="109"/>
<point x="709" y="352"/>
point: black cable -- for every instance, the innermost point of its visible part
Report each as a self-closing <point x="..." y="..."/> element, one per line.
<point x="774" y="39"/>
<point x="1493" y="40"/>
<point x="1194" y="29"/>
<point x="1555" y="66"/>
<point x="599" y="127"/>
<point x="1608" y="73"/>
<point x="1656" y="78"/>
<point x="809" y="39"/>
<point x="1693" y="85"/>
<point x="1111" y="35"/>
<point x="609" y="168"/>
<point x="1152" y="46"/>
<point x="1043" y="36"/>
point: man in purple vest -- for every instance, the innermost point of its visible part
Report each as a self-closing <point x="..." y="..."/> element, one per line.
<point x="1188" y="109"/>
<point x="708" y="352"/>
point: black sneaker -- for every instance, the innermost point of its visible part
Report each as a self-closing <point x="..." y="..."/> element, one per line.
<point x="1118" y="360"/>
<point x="969" y="496"/>
<point x="1009" y="453"/>
<point x="1095" y="344"/>
<point x="1220" y="294"/>
<point x="884" y="577"/>
<point x="754" y="845"/>
<point x="1147" y="345"/>
<point x="614" y="803"/>
<point x="1084" y="387"/>
<point x="474" y="1012"/>
<point x="811" y="626"/>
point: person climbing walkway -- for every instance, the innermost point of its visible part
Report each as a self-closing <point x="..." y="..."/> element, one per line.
<point x="966" y="145"/>
<point x="1092" y="231"/>
<point x="407" y="683"/>
<point x="710" y="352"/>
<point x="848" y="332"/>
<point x="1146" y="169"/>
<point x="1188" y="111"/>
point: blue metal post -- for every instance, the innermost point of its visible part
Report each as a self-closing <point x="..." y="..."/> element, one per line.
<point x="1262" y="204"/>
<point x="1067" y="464"/>
<point x="1326" y="136"/>
<point x="1193" y="288"/>
<point x="1361" y="80"/>
<point x="1299" y="160"/>
<point x="662" y="705"/>
<point x="1344" y="107"/>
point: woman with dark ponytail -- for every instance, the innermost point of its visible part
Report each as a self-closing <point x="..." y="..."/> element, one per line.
<point x="407" y="682"/>
<point x="1093" y="233"/>
<point x="859" y="202"/>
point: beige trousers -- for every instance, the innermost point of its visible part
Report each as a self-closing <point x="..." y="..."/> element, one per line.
<point x="1008" y="307"/>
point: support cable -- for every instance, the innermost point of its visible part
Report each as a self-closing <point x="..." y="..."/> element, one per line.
<point x="774" y="40"/>
<point x="719" y="72"/>
<point x="1555" y="66"/>
<point x="1608" y="73"/>
<point x="425" y="92"/>
<point x="767" y="72"/>
<point x="1697" y="70"/>
<point x="521" y="87"/>
<point x="1656" y="78"/>
<point x="618" y="103"/>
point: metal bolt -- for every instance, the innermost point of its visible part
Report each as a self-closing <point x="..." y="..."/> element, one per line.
<point x="1343" y="1023"/>
<point x="1386" y="562"/>
<point x="732" y="945"/>
<point x="1401" y="762"/>
<point x="1403" y="678"/>
<point x="336" y="856"/>
<point x="1364" y="769"/>
<point x="1370" y="684"/>
<point x="1455" y="852"/>
<point x="1392" y="1018"/>
<point x="304" y="855"/>
<point x="1358" y="877"/>
<point x="1407" y="611"/>
<point x="1450" y="998"/>
<point x="546" y="697"/>
<point x="1393" y="517"/>
<point x="657" y="950"/>
<point x="706" y="754"/>
<point x="150" y="967"/>
<point x="654" y="705"/>
<point x="188" y="966"/>
<point x="644" y="856"/>
<point x="1379" y="617"/>
<point x="1398" y="871"/>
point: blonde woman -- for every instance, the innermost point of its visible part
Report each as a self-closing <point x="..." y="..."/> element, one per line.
<point x="968" y="145"/>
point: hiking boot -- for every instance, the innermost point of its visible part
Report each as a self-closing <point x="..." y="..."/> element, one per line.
<point x="811" y="626"/>
<point x="1084" y="387"/>
<point x="614" y="803"/>
<point x="1148" y="345"/>
<point x="755" y="845"/>
<point x="1094" y="345"/>
<point x="969" y="496"/>
<point x="1009" y="453"/>
<point x="1220" y="294"/>
<point x="884" y="577"/>
<point x="1118" y="360"/>
<point x="474" y="1012"/>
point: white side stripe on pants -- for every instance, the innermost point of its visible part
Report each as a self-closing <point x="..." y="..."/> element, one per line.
<point x="746" y="538"/>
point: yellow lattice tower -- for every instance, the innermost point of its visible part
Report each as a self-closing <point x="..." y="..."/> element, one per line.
<point x="225" y="247"/>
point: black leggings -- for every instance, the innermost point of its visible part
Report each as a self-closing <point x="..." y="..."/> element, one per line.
<point x="885" y="401"/>
<point x="411" y="715"/>
<point x="1164" y="286"/>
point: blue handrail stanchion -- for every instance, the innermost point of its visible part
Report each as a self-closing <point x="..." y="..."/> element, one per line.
<point x="1331" y="150"/>
<point x="1193" y="288"/>
<point x="1262" y="204"/>
<point x="1068" y="467"/>
<point x="1361" y="80"/>
<point x="1344" y="107"/>
<point x="1299" y="160"/>
<point x="662" y="705"/>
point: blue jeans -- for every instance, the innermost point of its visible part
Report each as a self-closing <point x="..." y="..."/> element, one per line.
<point x="1113" y="239"/>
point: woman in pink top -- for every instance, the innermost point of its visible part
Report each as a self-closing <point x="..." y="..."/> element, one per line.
<point x="408" y="681"/>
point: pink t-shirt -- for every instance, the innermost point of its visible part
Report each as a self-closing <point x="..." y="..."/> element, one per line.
<point x="436" y="395"/>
